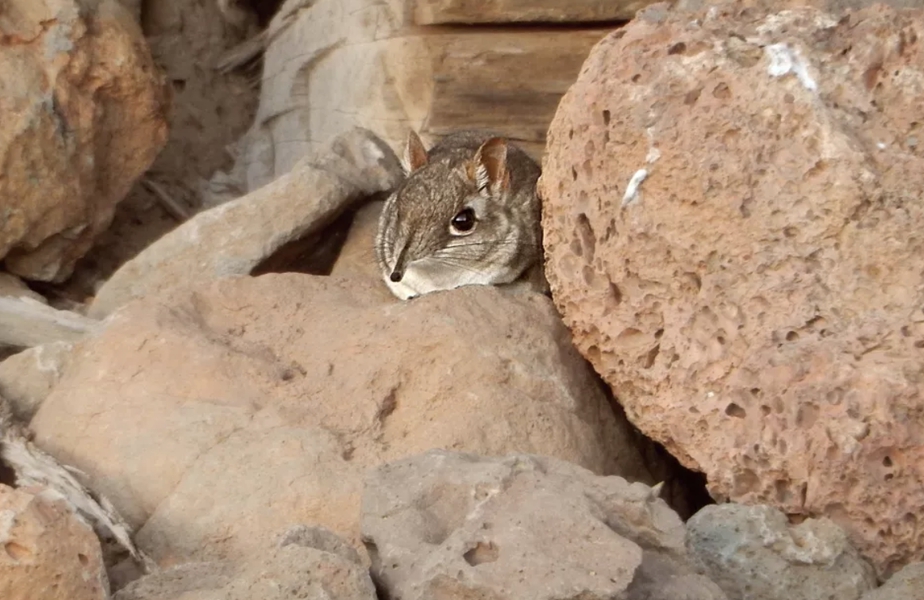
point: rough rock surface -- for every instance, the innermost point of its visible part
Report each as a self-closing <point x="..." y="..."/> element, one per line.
<point x="233" y="238"/>
<point x="13" y="287"/>
<point x="48" y="553"/>
<point x="26" y="378"/>
<point x="211" y="416"/>
<point x="447" y="525"/>
<point x="307" y="563"/>
<point x="907" y="584"/>
<point x="84" y="114"/>
<point x="752" y="552"/>
<point x="757" y="302"/>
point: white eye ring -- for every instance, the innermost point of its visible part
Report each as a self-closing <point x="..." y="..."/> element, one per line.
<point x="463" y="223"/>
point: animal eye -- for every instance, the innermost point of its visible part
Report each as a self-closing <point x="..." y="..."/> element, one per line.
<point x="464" y="221"/>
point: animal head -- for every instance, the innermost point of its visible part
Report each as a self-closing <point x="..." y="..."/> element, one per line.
<point x="451" y="222"/>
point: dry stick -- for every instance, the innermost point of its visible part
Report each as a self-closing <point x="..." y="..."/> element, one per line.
<point x="170" y="205"/>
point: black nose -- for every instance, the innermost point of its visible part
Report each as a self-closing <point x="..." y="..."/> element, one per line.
<point x="396" y="276"/>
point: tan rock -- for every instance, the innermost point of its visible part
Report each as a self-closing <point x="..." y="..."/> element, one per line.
<point x="84" y="115"/>
<point x="904" y="585"/>
<point x="49" y="553"/>
<point x="732" y="225"/>
<point x="341" y="63"/>
<point x="306" y="563"/>
<point x="446" y="525"/>
<point x="13" y="287"/>
<point x="428" y="12"/>
<point x="26" y="378"/>
<point x="753" y="552"/>
<point x="210" y="417"/>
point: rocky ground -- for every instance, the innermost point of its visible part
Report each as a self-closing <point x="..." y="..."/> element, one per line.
<point x="208" y="393"/>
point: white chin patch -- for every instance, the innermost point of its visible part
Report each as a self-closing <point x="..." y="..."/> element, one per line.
<point x="422" y="278"/>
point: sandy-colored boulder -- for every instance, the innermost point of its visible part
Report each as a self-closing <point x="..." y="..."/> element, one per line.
<point x="732" y="223"/>
<point x="309" y="563"/>
<point x="753" y="552"/>
<point x="211" y="416"/>
<point x="48" y="552"/>
<point x="446" y="525"/>
<point x="84" y="114"/>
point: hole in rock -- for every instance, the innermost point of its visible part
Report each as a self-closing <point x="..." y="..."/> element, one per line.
<point x="792" y="336"/>
<point x="678" y="48"/>
<point x="733" y="410"/>
<point x="83" y="559"/>
<point x="17" y="551"/>
<point x="887" y="462"/>
<point x="482" y="553"/>
<point x="606" y="117"/>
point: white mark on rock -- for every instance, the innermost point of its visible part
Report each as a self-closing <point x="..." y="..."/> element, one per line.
<point x="631" y="194"/>
<point x="784" y="59"/>
<point x="653" y="153"/>
<point x="881" y="145"/>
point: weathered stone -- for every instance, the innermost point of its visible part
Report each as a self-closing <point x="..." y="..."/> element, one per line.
<point x="733" y="234"/>
<point x="446" y="525"/>
<point x="308" y="563"/>
<point x="752" y="552"/>
<point x="28" y="377"/>
<point x="233" y="238"/>
<point x="904" y="585"/>
<point x="429" y="12"/>
<point x="84" y="114"/>
<point x="48" y="552"/>
<point x="211" y="416"/>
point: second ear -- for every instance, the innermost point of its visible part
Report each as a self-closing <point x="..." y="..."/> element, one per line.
<point x="415" y="155"/>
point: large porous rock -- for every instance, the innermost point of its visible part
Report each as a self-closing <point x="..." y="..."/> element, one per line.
<point x="249" y="404"/>
<point x="753" y="552"/>
<point x="309" y="563"/>
<point x="335" y="64"/>
<point x="84" y="114"/>
<point x="48" y="552"/>
<point x="733" y="223"/>
<point x="446" y="525"/>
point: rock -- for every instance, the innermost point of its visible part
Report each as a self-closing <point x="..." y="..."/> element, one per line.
<point x="904" y="585"/>
<point x="49" y="553"/>
<point x="233" y="238"/>
<point x="357" y="256"/>
<point x="84" y="115"/>
<point x="448" y="525"/>
<point x="752" y="552"/>
<point x="28" y="377"/>
<point x="336" y="64"/>
<point x="755" y="301"/>
<point x="429" y="12"/>
<point x="311" y="563"/>
<point x="13" y="287"/>
<point x="211" y="416"/>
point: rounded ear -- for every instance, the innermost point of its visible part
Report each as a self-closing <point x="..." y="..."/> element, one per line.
<point x="490" y="166"/>
<point x="415" y="155"/>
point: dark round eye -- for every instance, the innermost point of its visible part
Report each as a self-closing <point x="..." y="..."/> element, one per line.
<point x="464" y="221"/>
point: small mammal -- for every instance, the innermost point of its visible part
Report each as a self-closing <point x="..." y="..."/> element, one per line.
<point x="466" y="214"/>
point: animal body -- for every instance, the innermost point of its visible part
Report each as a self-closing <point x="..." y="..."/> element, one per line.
<point x="466" y="214"/>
